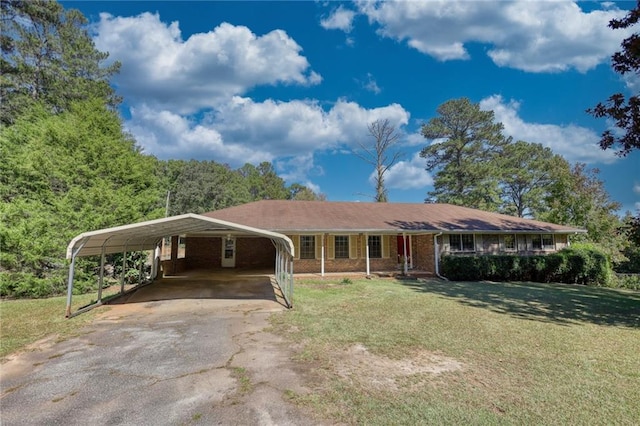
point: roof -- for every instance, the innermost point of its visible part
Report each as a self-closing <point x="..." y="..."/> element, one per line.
<point x="354" y="217"/>
<point x="146" y="235"/>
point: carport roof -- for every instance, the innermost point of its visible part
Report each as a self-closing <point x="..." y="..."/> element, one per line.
<point x="146" y="235"/>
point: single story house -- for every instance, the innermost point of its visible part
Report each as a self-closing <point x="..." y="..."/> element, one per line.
<point x="355" y="237"/>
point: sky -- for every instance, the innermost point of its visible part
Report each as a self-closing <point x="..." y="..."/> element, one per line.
<point x="297" y="83"/>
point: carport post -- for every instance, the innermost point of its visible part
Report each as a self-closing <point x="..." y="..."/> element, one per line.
<point x="291" y="284"/>
<point x="72" y="270"/>
<point x="101" y="279"/>
<point x="124" y="265"/>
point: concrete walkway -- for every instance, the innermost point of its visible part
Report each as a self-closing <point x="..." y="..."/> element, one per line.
<point x="156" y="358"/>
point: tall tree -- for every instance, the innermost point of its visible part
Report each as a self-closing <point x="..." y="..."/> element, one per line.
<point x="379" y="154"/>
<point x="578" y="198"/>
<point x="465" y="142"/>
<point x="48" y="57"/>
<point x="263" y="182"/>
<point x="526" y="174"/>
<point x="218" y="187"/>
<point x="62" y="174"/>
<point x="304" y="193"/>
<point x="624" y="112"/>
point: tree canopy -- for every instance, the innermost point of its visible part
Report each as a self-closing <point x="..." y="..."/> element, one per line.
<point x="623" y="111"/>
<point x="465" y="141"/>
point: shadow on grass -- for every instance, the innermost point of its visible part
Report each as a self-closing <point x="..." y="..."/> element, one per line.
<point x="557" y="303"/>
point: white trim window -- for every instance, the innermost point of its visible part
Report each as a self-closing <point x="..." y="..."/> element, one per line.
<point x="341" y="246"/>
<point x="307" y="246"/>
<point x="462" y="242"/>
<point x="375" y="246"/>
<point x="509" y="242"/>
<point x="542" y="242"/>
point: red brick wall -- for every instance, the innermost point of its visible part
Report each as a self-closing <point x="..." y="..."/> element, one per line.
<point x="423" y="253"/>
<point x="203" y="252"/>
<point x="255" y="253"/>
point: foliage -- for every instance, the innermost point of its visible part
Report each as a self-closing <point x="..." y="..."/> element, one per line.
<point x="578" y="198"/>
<point x="263" y="182"/>
<point x="466" y="141"/>
<point x="526" y="173"/>
<point x="385" y="137"/>
<point x="65" y="174"/>
<point x="573" y="265"/>
<point x="624" y="112"/>
<point x="630" y="232"/>
<point x="303" y="193"/>
<point x="48" y="57"/>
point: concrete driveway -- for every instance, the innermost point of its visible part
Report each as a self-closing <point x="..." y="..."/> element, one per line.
<point x="158" y="359"/>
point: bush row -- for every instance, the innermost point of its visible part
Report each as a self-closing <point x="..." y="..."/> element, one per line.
<point x="572" y="265"/>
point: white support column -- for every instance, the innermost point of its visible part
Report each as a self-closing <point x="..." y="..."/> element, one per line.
<point x="366" y="240"/>
<point x="101" y="279"/>
<point x="124" y="268"/>
<point x="72" y="270"/>
<point x="406" y="253"/>
<point x="322" y="256"/>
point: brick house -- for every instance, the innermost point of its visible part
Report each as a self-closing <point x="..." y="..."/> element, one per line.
<point x="352" y="237"/>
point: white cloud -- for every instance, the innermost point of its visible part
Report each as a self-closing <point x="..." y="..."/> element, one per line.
<point x="371" y="84"/>
<point x="163" y="70"/>
<point x="243" y="130"/>
<point x="410" y="174"/>
<point x="636" y="187"/>
<point x="573" y="142"/>
<point x="534" y="36"/>
<point x="339" y="19"/>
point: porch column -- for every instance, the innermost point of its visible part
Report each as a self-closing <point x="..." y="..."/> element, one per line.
<point x="406" y="253"/>
<point x="366" y="240"/>
<point x="322" y="255"/>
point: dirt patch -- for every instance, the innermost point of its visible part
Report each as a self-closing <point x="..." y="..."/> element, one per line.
<point x="357" y="364"/>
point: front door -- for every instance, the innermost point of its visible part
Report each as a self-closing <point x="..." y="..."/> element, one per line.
<point x="228" y="252"/>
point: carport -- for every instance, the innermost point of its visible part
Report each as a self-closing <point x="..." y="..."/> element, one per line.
<point x="147" y="236"/>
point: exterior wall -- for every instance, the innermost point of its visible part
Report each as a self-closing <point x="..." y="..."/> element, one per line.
<point x="355" y="263"/>
<point x="494" y="244"/>
<point x="423" y="253"/>
<point x="255" y="253"/>
<point x="251" y="252"/>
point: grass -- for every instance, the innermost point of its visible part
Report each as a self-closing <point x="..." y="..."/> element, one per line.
<point x="25" y="321"/>
<point x="530" y="353"/>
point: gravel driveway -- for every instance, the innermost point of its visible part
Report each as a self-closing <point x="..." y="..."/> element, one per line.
<point x="165" y="362"/>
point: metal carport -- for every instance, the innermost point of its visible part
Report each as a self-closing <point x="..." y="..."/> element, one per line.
<point x="147" y="235"/>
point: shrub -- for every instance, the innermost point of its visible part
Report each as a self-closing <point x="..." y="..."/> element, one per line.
<point x="575" y="265"/>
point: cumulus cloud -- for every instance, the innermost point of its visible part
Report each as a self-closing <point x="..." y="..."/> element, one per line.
<point x="339" y="19"/>
<point x="183" y="76"/>
<point x="242" y="130"/>
<point x="534" y="36"/>
<point x="410" y="174"/>
<point x="573" y="142"/>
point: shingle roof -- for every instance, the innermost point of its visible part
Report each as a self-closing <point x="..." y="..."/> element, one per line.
<point x="330" y="216"/>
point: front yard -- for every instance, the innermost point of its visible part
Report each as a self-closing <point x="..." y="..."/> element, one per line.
<point x="416" y="352"/>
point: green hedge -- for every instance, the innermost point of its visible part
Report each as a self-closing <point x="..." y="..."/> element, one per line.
<point x="573" y="265"/>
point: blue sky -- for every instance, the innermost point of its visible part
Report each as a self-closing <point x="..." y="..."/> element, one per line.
<point x="297" y="83"/>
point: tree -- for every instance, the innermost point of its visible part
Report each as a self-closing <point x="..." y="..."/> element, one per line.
<point x="465" y="142"/>
<point x="578" y="198"/>
<point x="526" y="173"/>
<point x="218" y="187"/>
<point x="624" y="112"/>
<point x="302" y="193"/>
<point x="263" y="182"/>
<point x="48" y="57"/>
<point x="63" y="174"/>
<point x="385" y="137"/>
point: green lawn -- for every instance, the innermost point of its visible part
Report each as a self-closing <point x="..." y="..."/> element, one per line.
<point x="25" y="321"/>
<point x="434" y="352"/>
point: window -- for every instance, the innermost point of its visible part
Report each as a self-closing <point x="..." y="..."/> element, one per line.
<point x="509" y="242"/>
<point x="307" y="247"/>
<point x="342" y="246"/>
<point x="375" y="246"/>
<point x="464" y="242"/>
<point x="542" y="242"/>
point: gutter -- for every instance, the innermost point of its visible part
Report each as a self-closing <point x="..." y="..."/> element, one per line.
<point x="437" y="256"/>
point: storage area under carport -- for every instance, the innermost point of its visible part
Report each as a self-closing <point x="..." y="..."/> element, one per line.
<point x="148" y="236"/>
<point x="243" y="284"/>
